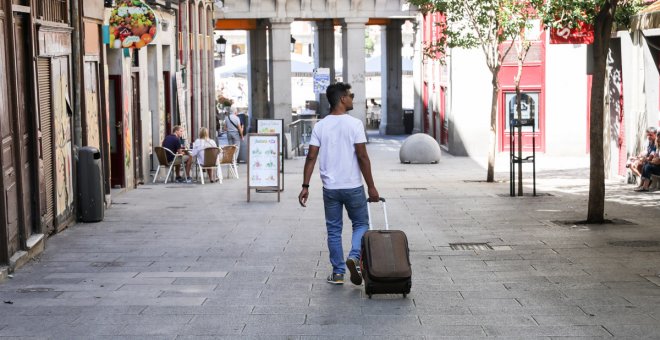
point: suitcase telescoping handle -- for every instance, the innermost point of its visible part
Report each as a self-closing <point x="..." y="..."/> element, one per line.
<point x="387" y="226"/>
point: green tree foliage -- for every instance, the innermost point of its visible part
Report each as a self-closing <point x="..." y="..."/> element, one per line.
<point x="603" y="16"/>
<point x="368" y="44"/>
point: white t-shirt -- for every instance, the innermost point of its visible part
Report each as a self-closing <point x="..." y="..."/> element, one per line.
<point x="336" y="136"/>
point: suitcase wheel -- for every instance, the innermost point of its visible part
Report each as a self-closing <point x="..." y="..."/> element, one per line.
<point x="369" y="296"/>
<point x="404" y="295"/>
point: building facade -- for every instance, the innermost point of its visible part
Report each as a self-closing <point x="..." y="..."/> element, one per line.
<point x="556" y="86"/>
<point x="63" y="87"/>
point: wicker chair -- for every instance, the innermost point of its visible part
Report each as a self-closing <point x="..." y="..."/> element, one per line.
<point x="211" y="157"/>
<point x="229" y="157"/>
<point x="161" y="154"/>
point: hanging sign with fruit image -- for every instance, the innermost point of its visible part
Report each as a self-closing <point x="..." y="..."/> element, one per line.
<point x="133" y="24"/>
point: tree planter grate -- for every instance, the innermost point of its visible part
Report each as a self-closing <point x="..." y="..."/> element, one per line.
<point x="635" y="244"/>
<point x="470" y="246"/>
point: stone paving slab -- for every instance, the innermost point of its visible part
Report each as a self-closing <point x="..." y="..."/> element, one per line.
<point x="257" y="270"/>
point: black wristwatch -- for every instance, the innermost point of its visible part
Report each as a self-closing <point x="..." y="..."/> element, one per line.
<point x="305" y="185"/>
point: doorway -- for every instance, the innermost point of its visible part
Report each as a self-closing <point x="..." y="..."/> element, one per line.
<point x="25" y="123"/>
<point x="117" y="175"/>
<point x="137" y="132"/>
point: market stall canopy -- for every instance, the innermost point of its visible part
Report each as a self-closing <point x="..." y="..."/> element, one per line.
<point x="646" y="19"/>
<point x="301" y="66"/>
<point x="372" y="66"/>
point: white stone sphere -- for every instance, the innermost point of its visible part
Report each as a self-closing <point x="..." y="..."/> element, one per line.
<point x="419" y="148"/>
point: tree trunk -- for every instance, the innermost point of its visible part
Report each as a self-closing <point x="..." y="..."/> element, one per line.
<point x="492" y="138"/>
<point x="602" y="33"/>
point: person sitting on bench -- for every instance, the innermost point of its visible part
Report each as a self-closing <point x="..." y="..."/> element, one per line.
<point x="651" y="167"/>
<point x="636" y="164"/>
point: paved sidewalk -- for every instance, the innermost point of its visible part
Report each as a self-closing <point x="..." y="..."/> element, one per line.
<point x="180" y="261"/>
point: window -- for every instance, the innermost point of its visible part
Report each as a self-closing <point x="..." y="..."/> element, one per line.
<point x="529" y="102"/>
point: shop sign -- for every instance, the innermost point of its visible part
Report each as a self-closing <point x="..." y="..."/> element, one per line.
<point x="133" y="24"/>
<point x="582" y="34"/>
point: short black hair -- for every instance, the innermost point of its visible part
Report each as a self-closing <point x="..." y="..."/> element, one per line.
<point x="335" y="92"/>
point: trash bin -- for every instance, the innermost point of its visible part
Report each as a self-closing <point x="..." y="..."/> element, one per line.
<point x="90" y="185"/>
<point x="408" y="121"/>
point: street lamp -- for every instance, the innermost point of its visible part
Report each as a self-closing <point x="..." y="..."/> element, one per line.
<point x="221" y="45"/>
<point x="293" y="44"/>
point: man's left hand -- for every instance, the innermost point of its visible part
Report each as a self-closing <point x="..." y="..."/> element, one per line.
<point x="373" y="195"/>
<point x="302" y="197"/>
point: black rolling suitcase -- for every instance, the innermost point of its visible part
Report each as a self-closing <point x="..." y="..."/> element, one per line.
<point x="385" y="260"/>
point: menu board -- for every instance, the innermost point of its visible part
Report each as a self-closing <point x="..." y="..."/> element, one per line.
<point x="263" y="162"/>
<point x="271" y="126"/>
<point x="274" y="126"/>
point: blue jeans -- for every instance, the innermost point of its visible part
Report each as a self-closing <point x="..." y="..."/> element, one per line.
<point x="355" y="202"/>
<point x="650" y="169"/>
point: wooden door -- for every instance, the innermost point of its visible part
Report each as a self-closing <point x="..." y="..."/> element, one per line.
<point x="137" y="132"/>
<point x="9" y="236"/>
<point x="23" y="94"/>
<point x="46" y="153"/>
<point x="117" y="174"/>
<point x="62" y="140"/>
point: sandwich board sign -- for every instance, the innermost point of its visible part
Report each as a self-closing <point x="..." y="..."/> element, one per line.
<point x="274" y="126"/>
<point x="263" y="173"/>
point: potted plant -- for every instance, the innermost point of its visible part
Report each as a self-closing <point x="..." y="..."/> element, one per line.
<point x="225" y="102"/>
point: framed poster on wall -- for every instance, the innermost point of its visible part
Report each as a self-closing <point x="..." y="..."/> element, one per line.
<point x="263" y="173"/>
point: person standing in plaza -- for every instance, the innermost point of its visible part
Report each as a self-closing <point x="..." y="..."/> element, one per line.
<point x="234" y="128"/>
<point x="339" y="141"/>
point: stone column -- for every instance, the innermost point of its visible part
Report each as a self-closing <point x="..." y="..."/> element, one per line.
<point x="353" y="59"/>
<point x="324" y="56"/>
<point x="258" y="74"/>
<point x="417" y="74"/>
<point x="391" y="72"/>
<point x="280" y="71"/>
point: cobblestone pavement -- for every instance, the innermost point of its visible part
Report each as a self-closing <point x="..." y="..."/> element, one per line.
<point x="180" y="261"/>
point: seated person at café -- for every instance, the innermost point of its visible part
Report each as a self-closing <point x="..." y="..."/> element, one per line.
<point x="651" y="167"/>
<point x="173" y="143"/>
<point x="636" y="164"/>
<point x="200" y="144"/>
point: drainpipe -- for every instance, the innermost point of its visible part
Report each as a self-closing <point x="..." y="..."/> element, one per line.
<point x="76" y="59"/>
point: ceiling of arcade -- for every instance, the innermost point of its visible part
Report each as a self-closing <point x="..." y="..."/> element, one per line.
<point x="314" y="9"/>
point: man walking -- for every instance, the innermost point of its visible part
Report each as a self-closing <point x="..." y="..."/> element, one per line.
<point x="339" y="141"/>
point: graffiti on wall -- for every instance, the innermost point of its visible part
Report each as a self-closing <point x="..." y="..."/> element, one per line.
<point x="161" y="109"/>
<point x="63" y="157"/>
<point x="128" y="149"/>
<point x="92" y="119"/>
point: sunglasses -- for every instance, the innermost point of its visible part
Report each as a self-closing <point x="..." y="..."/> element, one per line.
<point x="352" y="95"/>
